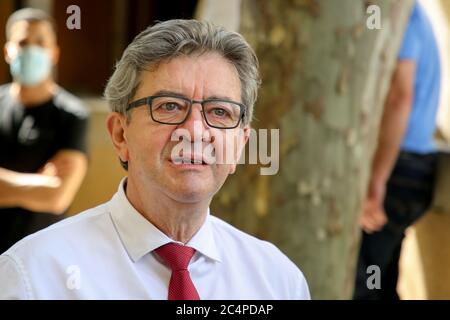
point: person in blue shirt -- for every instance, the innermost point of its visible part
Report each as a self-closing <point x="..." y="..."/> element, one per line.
<point x="403" y="169"/>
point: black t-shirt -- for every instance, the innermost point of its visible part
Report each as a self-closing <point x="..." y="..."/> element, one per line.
<point x="29" y="137"/>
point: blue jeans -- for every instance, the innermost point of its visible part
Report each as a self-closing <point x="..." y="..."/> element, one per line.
<point x="409" y="193"/>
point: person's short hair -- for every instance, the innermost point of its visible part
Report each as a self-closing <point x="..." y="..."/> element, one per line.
<point x="30" y="15"/>
<point x="170" y="39"/>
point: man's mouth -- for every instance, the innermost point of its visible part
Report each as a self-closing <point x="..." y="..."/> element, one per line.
<point x="189" y="160"/>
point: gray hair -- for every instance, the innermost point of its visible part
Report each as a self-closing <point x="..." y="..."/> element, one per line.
<point x="172" y="38"/>
<point x="30" y="15"/>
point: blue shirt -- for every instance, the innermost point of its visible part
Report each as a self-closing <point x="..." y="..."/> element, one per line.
<point x="419" y="44"/>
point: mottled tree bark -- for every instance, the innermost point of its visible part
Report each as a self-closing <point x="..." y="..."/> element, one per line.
<point x="325" y="76"/>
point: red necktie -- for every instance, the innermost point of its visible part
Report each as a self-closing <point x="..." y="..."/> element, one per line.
<point x="177" y="257"/>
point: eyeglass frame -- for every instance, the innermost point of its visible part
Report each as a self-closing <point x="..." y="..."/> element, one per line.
<point x="148" y="101"/>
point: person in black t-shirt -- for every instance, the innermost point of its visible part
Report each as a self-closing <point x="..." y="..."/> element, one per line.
<point x="42" y="132"/>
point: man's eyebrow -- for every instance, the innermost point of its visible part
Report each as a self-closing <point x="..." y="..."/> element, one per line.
<point x="216" y="97"/>
<point x="178" y="94"/>
<point x="170" y="93"/>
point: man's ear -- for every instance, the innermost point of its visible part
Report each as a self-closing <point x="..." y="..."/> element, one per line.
<point x="8" y="52"/>
<point x="116" y="124"/>
<point x="242" y="139"/>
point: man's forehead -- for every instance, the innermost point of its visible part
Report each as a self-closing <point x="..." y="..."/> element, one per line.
<point x="209" y="72"/>
<point x="24" y="28"/>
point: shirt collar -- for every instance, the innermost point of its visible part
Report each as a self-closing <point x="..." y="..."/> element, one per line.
<point x="139" y="236"/>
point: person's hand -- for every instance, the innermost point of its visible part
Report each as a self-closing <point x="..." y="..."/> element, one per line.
<point x="374" y="217"/>
<point x="49" y="169"/>
<point x="47" y="175"/>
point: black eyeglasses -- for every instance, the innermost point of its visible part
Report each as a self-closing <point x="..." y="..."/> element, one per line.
<point x="173" y="109"/>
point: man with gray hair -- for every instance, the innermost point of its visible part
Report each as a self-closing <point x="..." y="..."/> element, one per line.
<point x="182" y="99"/>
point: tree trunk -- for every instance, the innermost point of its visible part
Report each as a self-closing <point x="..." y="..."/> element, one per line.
<point x="325" y="76"/>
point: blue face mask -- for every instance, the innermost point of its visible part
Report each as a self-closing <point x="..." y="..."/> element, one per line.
<point x="31" y="66"/>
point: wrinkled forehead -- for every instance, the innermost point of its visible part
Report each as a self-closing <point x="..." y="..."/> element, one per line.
<point x="207" y="74"/>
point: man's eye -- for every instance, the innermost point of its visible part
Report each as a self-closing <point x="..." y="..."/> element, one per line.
<point x="23" y="43"/>
<point x="220" y="112"/>
<point x="170" y="106"/>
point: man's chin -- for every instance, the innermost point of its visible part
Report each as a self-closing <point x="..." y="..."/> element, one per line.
<point x="189" y="196"/>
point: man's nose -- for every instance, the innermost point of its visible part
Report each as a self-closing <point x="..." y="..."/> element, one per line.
<point x="195" y="124"/>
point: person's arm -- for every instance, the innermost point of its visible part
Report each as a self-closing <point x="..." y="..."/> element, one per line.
<point x="42" y="192"/>
<point x="392" y="130"/>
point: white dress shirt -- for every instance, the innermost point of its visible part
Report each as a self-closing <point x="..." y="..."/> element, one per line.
<point x="107" y="253"/>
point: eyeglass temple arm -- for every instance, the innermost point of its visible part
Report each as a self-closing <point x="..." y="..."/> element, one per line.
<point x="137" y="103"/>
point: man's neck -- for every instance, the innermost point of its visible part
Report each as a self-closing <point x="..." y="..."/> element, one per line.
<point x="35" y="95"/>
<point x="179" y="221"/>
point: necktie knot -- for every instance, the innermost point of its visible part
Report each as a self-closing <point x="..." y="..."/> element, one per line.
<point x="176" y="255"/>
